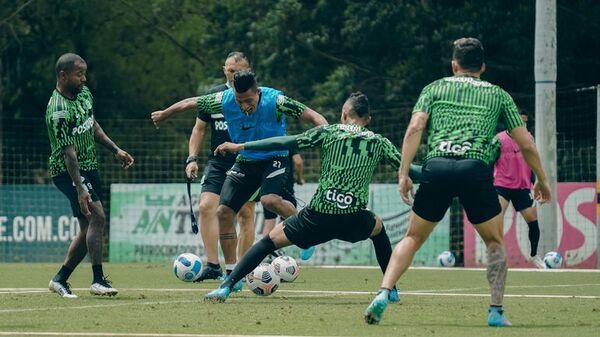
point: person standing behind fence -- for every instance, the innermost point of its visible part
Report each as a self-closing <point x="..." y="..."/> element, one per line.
<point x="461" y="113"/>
<point x="73" y="131"/>
<point x="513" y="181"/>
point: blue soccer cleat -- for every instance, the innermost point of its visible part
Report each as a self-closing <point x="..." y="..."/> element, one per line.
<point x="496" y="318"/>
<point x="394" y="296"/>
<point x="305" y="254"/>
<point x="377" y="307"/>
<point x="238" y="286"/>
<point x="218" y="295"/>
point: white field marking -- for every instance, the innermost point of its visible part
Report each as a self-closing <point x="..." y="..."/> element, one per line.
<point x="512" y="287"/>
<point x="562" y="270"/>
<point x="115" y="334"/>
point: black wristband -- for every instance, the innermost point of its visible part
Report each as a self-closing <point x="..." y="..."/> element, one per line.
<point x="190" y="159"/>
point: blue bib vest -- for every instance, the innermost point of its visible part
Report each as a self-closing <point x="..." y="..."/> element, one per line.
<point x="261" y="124"/>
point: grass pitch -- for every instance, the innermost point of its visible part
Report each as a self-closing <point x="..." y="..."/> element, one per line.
<point x="321" y="302"/>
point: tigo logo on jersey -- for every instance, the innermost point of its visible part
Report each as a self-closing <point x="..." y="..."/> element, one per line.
<point x="449" y="147"/>
<point x="342" y="200"/>
<point x="83" y="127"/>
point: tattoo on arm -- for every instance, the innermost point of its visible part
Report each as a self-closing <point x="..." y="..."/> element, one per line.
<point x="70" y="157"/>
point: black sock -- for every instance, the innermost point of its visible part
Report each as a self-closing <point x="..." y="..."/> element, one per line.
<point x="98" y="273"/>
<point x="213" y="265"/>
<point x="251" y="259"/>
<point x="63" y="274"/>
<point x="383" y="249"/>
<point x="534" y="236"/>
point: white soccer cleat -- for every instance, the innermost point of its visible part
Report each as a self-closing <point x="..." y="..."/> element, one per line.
<point x="63" y="289"/>
<point x="537" y="261"/>
<point x="103" y="288"/>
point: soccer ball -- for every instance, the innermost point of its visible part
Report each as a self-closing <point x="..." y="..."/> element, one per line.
<point x="553" y="260"/>
<point x="286" y="267"/>
<point x="446" y="259"/>
<point x="187" y="267"/>
<point x="263" y="280"/>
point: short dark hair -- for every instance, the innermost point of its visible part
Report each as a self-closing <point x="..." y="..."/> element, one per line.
<point x="359" y="103"/>
<point x="468" y="52"/>
<point x="244" y="80"/>
<point x="66" y="62"/>
<point x="237" y="56"/>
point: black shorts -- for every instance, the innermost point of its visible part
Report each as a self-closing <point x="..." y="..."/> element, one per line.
<point x="245" y="177"/>
<point x="310" y="228"/>
<point x="91" y="182"/>
<point x="469" y="179"/>
<point x="214" y="175"/>
<point x="520" y="198"/>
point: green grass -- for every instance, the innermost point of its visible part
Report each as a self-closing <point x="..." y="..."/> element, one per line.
<point x="147" y="304"/>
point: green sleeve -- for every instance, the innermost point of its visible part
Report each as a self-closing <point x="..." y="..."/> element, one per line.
<point x="313" y="137"/>
<point x="60" y="119"/>
<point x="211" y="103"/>
<point x="273" y="143"/>
<point x="424" y="102"/>
<point x="288" y="106"/>
<point x="509" y="112"/>
<point x="391" y="155"/>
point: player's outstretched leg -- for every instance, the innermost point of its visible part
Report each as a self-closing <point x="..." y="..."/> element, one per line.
<point x="251" y="259"/>
<point x="377" y="307"/>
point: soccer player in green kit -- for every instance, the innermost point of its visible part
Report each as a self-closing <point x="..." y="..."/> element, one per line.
<point x="73" y="163"/>
<point x="349" y="155"/>
<point x="460" y="113"/>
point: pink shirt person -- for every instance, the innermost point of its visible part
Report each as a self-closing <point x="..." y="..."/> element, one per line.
<point x="511" y="169"/>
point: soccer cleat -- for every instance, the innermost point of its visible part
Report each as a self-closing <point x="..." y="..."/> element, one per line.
<point x="218" y="295"/>
<point x="103" y="288"/>
<point x="377" y="307"/>
<point x="210" y="273"/>
<point x="63" y="289"/>
<point x="394" y="296"/>
<point x="305" y="254"/>
<point x="238" y="286"/>
<point x="537" y="261"/>
<point x="497" y="318"/>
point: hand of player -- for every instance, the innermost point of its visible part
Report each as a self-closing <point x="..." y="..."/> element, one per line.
<point x="125" y="158"/>
<point x="541" y="192"/>
<point x="191" y="170"/>
<point x="84" y="200"/>
<point x="158" y="116"/>
<point x="405" y="186"/>
<point x="228" y="147"/>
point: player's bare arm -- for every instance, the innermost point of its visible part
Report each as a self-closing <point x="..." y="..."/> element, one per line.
<point x="541" y="188"/>
<point x="311" y="116"/>
<point x="410" y="145"/>
<point x="101" y="137"/>
<point x="196" y="141"/>
<point x="70" y="157"/>
<point x="181" y="106"/>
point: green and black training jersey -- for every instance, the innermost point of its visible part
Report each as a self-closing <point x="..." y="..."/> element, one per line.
<point x="349" y="155"/>
<point x="463" y="114"/>
<point x="71" y="122"/>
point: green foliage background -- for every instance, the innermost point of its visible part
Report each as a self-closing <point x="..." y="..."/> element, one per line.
<point x="145" y="54"/>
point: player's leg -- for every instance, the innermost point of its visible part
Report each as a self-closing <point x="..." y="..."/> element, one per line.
<point x="247" y="229"/>
<point x="383" y="252"/>
<point x="270" y="219"/>
<point x="209" y="231"/>
<point x="273" y="188"/>
<point x="252" y="258"/>
<point x="524" y="204"/>
<point x="431" y="203"/>
<point x="242" y="180"/>
<point x="480" y="201"/>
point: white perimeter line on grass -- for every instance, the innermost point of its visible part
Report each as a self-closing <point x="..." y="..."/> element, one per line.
<point x="112" y="334"/>
<point x="324" y="293"/>
<point x="563" y="270"/>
